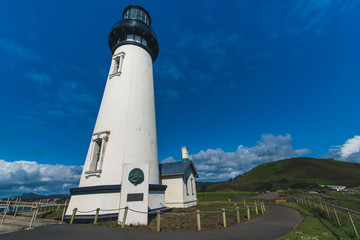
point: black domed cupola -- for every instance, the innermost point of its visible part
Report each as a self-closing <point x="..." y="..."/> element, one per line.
<point x="134" y="28"/>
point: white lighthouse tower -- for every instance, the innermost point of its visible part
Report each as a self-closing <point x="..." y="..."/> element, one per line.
<point x="121" y="167"/>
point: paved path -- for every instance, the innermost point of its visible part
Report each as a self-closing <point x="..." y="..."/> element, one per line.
<point x="276" y="222"/>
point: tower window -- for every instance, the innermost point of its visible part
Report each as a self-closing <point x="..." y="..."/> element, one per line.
<point x="96" y="154"/>
<point x="116" y="64"/>
<point x="98" y="143"/>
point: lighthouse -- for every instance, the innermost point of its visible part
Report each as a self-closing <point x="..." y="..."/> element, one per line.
<point x="121" y="169"/>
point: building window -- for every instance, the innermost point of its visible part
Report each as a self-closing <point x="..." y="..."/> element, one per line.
<point x="98" y="146"/>
<point x="116" y="64"/>
<point x="186" y="186"/>
<point x="192" y="186"/>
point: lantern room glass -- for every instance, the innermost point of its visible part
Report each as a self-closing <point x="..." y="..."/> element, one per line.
<point x="137" y="14"/>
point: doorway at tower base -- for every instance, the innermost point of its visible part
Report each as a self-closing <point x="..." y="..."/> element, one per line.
<point x="108" y="198"/>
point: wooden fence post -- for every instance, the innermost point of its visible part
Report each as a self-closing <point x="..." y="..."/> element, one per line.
<point x="158" y="216"/>
<point x="262" y="208"/>
<point x="63" y="213"/>
<point x="96" y="215"/>
<point x="58" y="207"/>
<point x="352" y="223"/>
<point x="256" y="209"/>
<point x="337" y="218"/>
<point x="17" y="207"/>
<point x="238" y="214"/>
<point x="73" y="215"/>
<point x="38" y="206"/>
<point x="5" y="210"/>
<point x="224" y="217"/>
<point x="327" y="210"/>
<point x="198" y="220"/>
<point x="248" y="212"/>
<point x="33" y="216"/>
<point x="15" y="203"/>
<point x="124" y="217"/>
<point x="244" y="203"/>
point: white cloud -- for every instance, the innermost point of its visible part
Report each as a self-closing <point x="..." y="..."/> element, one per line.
<point x="218" y="165"/>
<point x="28" y="176"/>
<point x="173" y="94"/>
<point x="40" y="78"/>
<point x="19" y="51"/>
<point x="168" y="160"/>
<point x="349" y="151"/>
<point x="350" y="146"/>
<point x="71" y="93"/>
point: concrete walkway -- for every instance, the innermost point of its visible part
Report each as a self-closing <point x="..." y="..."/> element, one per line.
<point x="276" y="222"/>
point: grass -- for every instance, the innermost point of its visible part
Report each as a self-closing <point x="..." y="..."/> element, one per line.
<point x="210" y="206"/>
<point x="55" y="214"/>
<point x="311" y="227"/>
<point x="317" y="225"/>
<point x="294" y="173"/>
<point x="346" y="200"/>
<point x="221" y="196"/>
<point x="349" y="200"/>
<point x="184" y="219"/>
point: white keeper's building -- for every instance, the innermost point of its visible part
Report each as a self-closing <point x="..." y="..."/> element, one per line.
<point x="179" y="177"/>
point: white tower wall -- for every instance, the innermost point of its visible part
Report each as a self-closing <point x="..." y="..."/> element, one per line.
<point x="121" y="167"/>
<point x="127" y="111"/>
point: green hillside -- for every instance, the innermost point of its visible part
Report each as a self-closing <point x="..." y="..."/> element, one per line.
<point x="295" y="173"/>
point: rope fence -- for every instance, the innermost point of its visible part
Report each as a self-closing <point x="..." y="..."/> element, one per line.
<point x="194" y="220"/>
<point x="342" y="218"/>
<point x="197" y="220"/>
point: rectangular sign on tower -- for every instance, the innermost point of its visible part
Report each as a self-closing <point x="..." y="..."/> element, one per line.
<point x="135" y="194"/>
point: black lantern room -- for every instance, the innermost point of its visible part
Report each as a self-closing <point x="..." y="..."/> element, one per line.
<point x="134" y="28"/>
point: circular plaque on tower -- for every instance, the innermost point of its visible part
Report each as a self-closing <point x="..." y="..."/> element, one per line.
<point x="136" y="176"/>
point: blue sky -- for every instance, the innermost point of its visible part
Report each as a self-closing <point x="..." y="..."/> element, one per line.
<point x="239" y="83"/>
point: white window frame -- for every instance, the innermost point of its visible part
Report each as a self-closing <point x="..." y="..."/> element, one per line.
<point x="96" y="137"/>
<point x="116" y="64"/>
